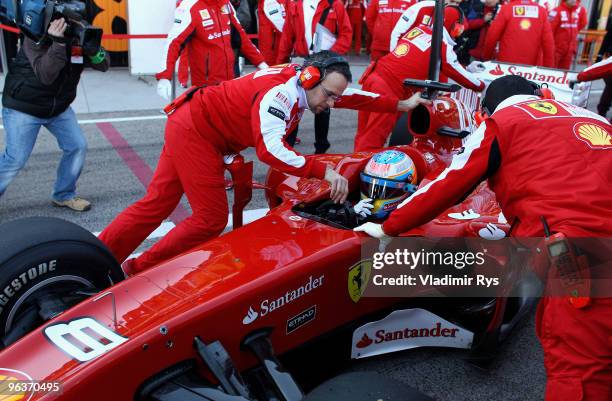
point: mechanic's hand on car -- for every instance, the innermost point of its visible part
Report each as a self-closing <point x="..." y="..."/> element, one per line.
<point x="572" y="83"/>
<point x="164" y="89"/>
<point x="57" y="28"/>
<point x="375" y="230"/>
<point x="475" y="66"/>
<point x="363" y="207"/>
<point x="412" y="102"/>
<point x="339" y="185"/>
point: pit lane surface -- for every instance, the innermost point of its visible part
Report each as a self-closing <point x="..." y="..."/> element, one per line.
<point x="123" y="152"/>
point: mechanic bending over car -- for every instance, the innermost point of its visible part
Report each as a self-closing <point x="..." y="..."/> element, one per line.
<point x="410" y="59"/>
<point x="206" y="124"/>
<point x="524" y="139"/>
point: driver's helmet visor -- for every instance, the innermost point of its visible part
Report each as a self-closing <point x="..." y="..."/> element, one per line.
<point x="382" y="188"/>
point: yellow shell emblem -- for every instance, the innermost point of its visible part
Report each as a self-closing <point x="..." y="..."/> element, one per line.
<point x="594" y="135"/>
<point x="7" y="392"/>
<point x="543" y="107"/>
<point x="204" y="14"/>
<point x="401" y="50"/>
<point x="525" y="24"/>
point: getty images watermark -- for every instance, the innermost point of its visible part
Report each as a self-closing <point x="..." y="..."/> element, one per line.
<point x="475" y="267"/>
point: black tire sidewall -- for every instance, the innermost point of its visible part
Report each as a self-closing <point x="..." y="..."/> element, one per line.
<point x="42" y="262"/>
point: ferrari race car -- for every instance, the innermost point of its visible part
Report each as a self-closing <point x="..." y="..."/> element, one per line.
<point x="239" y="317"/>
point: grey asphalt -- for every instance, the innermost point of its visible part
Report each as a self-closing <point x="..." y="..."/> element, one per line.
<point x="517" y="374"/>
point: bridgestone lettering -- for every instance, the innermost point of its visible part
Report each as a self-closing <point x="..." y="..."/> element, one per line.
<point x="23" y="279"/>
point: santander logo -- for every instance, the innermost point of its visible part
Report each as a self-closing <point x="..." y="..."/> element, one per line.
<point x="364" y="342"/>
<point x="532" y="73"/>
<point x="250" y="316"/>
<point x="497" y="71"/>
<point x="383" y="336"/>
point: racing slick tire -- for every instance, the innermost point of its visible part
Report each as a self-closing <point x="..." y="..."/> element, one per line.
<point x="364" y="386"/>
<point x="48" y="265"/>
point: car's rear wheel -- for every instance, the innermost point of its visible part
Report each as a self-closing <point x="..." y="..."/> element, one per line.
<point x="48" y="265"/>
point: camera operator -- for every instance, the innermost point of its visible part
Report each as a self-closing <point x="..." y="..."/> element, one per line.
<point x="38" y="90"/>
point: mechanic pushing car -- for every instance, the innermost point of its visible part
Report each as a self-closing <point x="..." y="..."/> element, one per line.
<point x="524" y="139"/>
<point x="206" y="124"/>
<point x="409" y="59"/>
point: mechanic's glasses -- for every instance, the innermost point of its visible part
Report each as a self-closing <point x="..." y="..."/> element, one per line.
<point x="329" y="94"/>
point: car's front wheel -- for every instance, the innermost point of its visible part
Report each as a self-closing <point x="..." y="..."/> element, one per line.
<point x="48" y="265"/>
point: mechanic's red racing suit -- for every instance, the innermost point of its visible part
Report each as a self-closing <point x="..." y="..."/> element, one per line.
<point x="381" y="17"/>
<point x="566" y="22"/>
<point x="271" y="14"/>
<point x="355" y="10"/>
<point x="410" y="59"/>
<point x="205" y="27"/>
<point x="598" y="70"/>
<point x="294" y="37"/>
<point x="570" y="187"/>
<point x="522" y="29"/>
<point x="417" y="14"/>
<point x="256" y="110"/>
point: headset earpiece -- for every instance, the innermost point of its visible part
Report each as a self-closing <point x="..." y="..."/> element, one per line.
<point x="310" y="77"/>
<point x="479" y="117"/>
<point x="546" y="93"/>
<point x="459" y="26"/>
<point x="542" y="91"/>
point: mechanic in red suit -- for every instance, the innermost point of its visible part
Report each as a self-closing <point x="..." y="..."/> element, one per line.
<point x="205" y="27"/>
<point x="482" y="24"/>
<point x="410" y="59"/>
<point x="566" y="21"/>
<point x="301" y="37"/>
<point x="256" y="110"/>
<point x="355" y="10"/>
<point x="381" y="17"/>
<point x="300" y="27"/>
<point x="513" y="149"/>
<point x="522" y="29"/>
<point x="183" y="68"/>
<point x="271" y="15"/>
<point x="598" y="70"/>
<point x="417" y="14"/>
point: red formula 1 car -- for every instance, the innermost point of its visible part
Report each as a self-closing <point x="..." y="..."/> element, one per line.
<point x="215" y="322"/>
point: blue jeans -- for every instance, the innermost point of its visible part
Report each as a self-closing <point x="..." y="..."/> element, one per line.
<point x="21" y="131"/>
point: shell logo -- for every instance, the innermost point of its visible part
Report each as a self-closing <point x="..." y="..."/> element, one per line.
<point x="525" y="24"/>
<point x="204" y="14"/>
<point x="594" y="135"/>
<point x="401" y="50"/>
<point x="544" y="107"/>
<point x="10" y="375"/>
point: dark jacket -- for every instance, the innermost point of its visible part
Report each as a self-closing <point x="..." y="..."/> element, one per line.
<point x="42" y="81"/>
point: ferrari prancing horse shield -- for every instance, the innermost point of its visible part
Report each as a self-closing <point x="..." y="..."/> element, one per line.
<point x="358" y="277"/>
